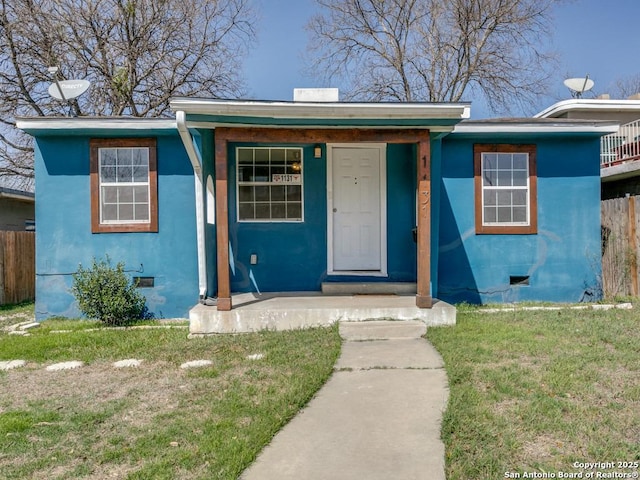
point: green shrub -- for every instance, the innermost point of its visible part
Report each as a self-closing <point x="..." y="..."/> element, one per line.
<point x="105" y="293"/>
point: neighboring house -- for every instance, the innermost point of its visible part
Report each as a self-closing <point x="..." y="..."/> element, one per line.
<point x="17" y="209"/>
<point x="257" y="196"/>
<point x="620" y="151"/>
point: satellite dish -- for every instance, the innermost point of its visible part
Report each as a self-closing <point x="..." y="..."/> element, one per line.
<point x="579" y="85"/>
<point x="68" y="89"/>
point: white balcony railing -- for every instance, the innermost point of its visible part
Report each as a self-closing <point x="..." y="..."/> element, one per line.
<point x="622" y="146"/>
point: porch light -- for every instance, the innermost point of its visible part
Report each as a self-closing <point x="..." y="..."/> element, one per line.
<point x="317" y="151"/>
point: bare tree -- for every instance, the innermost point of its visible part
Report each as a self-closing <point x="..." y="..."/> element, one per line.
<point x="434" y="50"/>
<point x="627" y="86"/>
<point x="136" y="53"/>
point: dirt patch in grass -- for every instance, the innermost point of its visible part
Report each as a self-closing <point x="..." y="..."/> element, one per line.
<point x="156" y="420"/>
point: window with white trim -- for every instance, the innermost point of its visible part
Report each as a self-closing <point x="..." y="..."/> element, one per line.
<point x="505" y="188"/>
<point x="123" y="181"/>
<point x="269" y="184"/>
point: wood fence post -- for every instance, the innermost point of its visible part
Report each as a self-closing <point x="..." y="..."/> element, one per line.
<point x="633" y="246"/>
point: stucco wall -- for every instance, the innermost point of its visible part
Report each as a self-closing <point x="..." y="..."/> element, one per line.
<point x="562" y="259"/>
<point x="65" y="240"/>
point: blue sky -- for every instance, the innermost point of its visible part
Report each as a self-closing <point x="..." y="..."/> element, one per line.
<point x="596" y="37"/>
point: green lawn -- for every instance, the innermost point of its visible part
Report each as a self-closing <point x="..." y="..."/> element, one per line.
<point x="156" y="421"/>
<point x="536" y="391"/>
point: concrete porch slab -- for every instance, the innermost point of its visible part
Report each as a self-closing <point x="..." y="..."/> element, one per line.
<point x="290" y="310"/>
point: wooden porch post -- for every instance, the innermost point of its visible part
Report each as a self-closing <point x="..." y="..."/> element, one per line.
<point x="423" y="297"/>
<point x="222" y="221"/>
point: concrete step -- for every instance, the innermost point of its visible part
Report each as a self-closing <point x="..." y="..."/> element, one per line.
<point x="382" y="330"/>
<point x="369" y="288"/>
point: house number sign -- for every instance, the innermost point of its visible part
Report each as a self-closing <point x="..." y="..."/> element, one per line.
<point x="286" y="178"/>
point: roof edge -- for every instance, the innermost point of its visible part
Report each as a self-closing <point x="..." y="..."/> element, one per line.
<point x="566" y="106"/>
<point x="320" y="110"/>
<point x="37" y="124"/>
<point x="534" y="125"/>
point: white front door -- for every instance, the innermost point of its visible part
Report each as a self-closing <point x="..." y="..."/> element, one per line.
<point x="357" y="200"/>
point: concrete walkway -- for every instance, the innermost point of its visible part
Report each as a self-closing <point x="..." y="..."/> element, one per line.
<point x="378" y="416"/>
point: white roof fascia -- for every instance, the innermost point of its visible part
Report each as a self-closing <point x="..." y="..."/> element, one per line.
<point x="17" y="196"/>
<point x="94" y="123"/>
<point x="565" y="106"/>
<point x="321" y="110"/>
<point x="532" y="128"/>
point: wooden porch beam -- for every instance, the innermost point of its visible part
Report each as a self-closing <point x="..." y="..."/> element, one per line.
<point x="222" y="223"/>
<point x="320" y="135"/>
<point x="423" y="296"/>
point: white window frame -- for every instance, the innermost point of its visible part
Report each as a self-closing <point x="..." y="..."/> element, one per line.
<point x="511" y="187"/>
<point x="106" y="185"/>
<point x="270" y="183"/>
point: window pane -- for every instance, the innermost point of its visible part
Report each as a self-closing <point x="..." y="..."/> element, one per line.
<point x="262" y="155"/>
<point x="489" y="161"/>
<point x="141" y="194"/>
<point x="140" y="157"/>
<point x="277" y="170"/>
<point x="245" y="194"/>
<point x="107" y="156"/>
<point x="124" y="156"/>
<point x="520" y="178"/>
<point x="520" y="214"/>
<point x="277" y="156"/>
<point x="489" y="178"/>
<point x="109" y="195"/>
<point x="262" y="174"/>
<point x="490" y="214"/>
<point x="278" y="210"/>
<point x="245" y="174"/>
<point x="263" y="211"/>
<point x="520" y="197"/>
<point x="141" y="173"/>
<point x="504" y="214"/>
<point x="245" y="156"/>
<point x="504" y="161"/>
<point x="125" y="174"/>
<point x="109" y="213"/>
<point x="294" y="211"/>
<point x="504" y="197"/>
<point x="246" y="211"/>
<point x="277" y="193"/>
<point x="125" y="194"/>
<point x="504" y="178"/>
<point x="141" y="211"/>
<point x="490" y="197"/>
<point x="294" y="193"/>
<point x="293" y="155"/>
<point x="520" y="161"/>
<point x="108" y="174"/>
<point x="262" y="194"/>
<point x="125" y="212"/>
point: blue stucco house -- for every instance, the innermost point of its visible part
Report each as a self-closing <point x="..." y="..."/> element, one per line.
<point x="259" y="196"/>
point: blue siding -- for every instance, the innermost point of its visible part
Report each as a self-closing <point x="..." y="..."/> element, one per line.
<point x="65" y="240"/>
<point x="562" y="260"/>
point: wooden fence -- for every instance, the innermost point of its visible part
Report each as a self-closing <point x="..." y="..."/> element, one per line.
<point x="17" y="267"/>
<point x="620" y="217"/>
